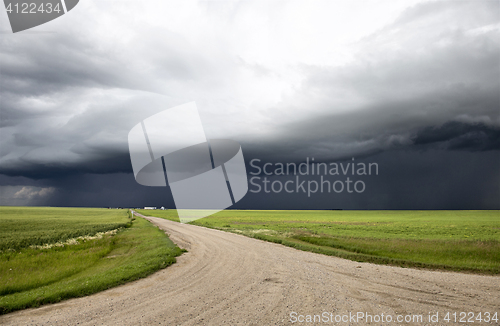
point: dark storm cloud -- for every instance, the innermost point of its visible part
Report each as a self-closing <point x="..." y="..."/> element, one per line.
<point x="116" y="162"/>
<point x="93" y="141"/>
<point x="404" y="83"/>
<point x="460" y="136"/>
<point x="59" y="62"/>
<point x="94" y="190"/>
<point x="406" y="179"/>
<point x="420" y="96"/>
<point x="69" y="99"/>
<point x="54" y="62"/>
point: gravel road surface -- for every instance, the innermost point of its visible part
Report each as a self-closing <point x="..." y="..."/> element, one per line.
<point x="228" y="279"/>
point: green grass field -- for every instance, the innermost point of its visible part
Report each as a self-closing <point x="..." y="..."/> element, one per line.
<point x="127" y="249"/>
<point x="450" y="240"/>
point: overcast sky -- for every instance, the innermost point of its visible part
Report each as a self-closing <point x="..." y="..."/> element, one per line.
<point x="411" y="85"/>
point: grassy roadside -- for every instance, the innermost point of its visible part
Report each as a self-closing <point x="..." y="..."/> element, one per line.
<point x="447" y="240"/>
<point x="21" y="227"/>
<point x="31" y="276"/>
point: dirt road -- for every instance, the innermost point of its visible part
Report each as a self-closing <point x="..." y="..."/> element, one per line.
<point x="227" y="279"/>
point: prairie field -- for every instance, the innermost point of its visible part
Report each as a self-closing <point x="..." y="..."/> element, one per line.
<point x="50" y="254"/>
<point x="449" y="240"/>
<point x="22" y="227"/>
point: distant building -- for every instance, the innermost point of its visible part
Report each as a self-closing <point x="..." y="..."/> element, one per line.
<point x="149" y="207"/>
